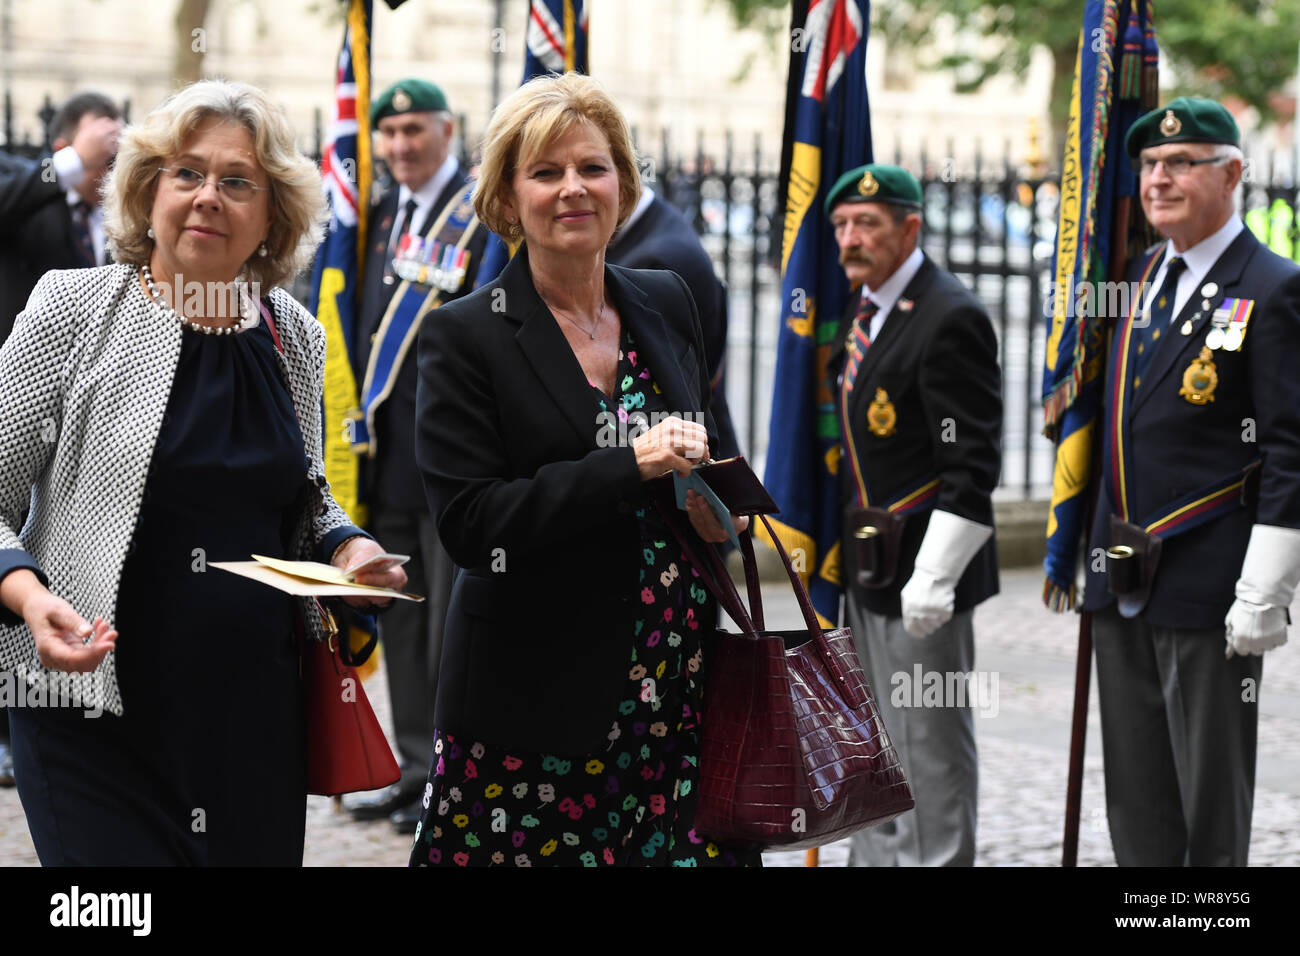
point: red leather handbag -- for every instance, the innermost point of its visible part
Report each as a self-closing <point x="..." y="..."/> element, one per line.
<point x="346" y="748"/>
<point x="794" y="753"/>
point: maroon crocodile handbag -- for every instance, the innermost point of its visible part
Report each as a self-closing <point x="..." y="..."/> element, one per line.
<point x="794" y="753"/>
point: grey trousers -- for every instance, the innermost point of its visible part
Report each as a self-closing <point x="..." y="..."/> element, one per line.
<point x="411" y="634"/>
<point x="1179" y="726"/>
<point x="936" y="744"/>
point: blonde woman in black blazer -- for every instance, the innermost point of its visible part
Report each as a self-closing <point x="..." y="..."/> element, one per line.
<point x="569" y="700"/>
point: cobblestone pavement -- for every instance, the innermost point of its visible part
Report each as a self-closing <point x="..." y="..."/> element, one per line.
<point x="1023" y="744"/>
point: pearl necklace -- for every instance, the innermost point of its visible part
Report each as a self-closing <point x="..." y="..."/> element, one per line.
<point x="186" y="323"/>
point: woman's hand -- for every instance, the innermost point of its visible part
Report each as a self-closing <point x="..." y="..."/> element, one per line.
<point x="61" y="634"/>
<point x="356" y="551"/>
<point x="705" y="522"/>
<point x="672" y="445"/>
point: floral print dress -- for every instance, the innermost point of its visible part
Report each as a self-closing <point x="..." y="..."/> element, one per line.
<point x="631" y="803"/>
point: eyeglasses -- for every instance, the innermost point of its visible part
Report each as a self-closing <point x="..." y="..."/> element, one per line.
<point x="1178" y="165"/>
<point x="186" y="180"/>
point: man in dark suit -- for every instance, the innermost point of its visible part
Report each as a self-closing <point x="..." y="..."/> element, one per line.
<point x="1201" y="478"/>
<point x="916" y="379"/>
<point x="51" y="215"/>
<point x="50" y="206"/>
<point x="426" y="206"/>
<point x="657" y="236"/>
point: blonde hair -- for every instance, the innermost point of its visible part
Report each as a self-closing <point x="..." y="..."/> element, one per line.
<point x="297" y="206"/>
<point x="541" y="110"/>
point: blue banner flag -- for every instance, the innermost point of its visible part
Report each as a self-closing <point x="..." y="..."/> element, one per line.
<point x="556" y="42"/>
<point x="827" y="132"/>
<point x="1114" y="84"/>
<point x="337" y="271"/>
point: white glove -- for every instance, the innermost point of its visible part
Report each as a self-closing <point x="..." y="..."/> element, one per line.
<point x="931" y="592"/>
<point x="1257" y="620"/>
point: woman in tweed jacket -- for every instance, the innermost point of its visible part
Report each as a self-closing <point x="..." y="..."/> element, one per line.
<point x="148" y="432"/>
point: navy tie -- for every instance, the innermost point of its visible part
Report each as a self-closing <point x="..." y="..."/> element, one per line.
<point x="1162" y="309"/>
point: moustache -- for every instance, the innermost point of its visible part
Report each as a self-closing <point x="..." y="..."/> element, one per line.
<point x="856" y="255"/>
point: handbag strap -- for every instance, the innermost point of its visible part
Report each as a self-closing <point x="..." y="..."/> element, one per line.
<point x="714" y="573"/>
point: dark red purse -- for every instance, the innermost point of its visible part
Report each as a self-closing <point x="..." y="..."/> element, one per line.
<point x="346" y="748"/>
<point x="793" y="749"/>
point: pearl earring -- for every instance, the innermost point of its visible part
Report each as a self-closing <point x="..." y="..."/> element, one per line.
<point x="150" y="233"/>
<point x="261" y="250"/>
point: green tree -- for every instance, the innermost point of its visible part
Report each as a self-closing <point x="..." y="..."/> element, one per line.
<point x="1242" y="48"/>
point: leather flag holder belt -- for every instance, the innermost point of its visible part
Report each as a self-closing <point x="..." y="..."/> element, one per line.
<point x="1131" y="562"/>
<point x="1134" y="550"/>
<point x="876" y="536"/>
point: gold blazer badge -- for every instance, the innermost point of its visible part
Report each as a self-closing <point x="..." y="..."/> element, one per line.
<point x="1200" y="379"/>
<point x="881" y="417"/>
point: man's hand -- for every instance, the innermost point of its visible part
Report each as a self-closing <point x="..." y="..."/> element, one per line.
<point x="96" y="142"/>
<point x="1253" y="628"/>
<point x="1257" y="620"/>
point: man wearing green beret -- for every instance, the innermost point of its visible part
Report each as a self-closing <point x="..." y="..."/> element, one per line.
<point x="421" y="207"/>
<point x="1200" y="486"/>
<point x="915" y="378"/>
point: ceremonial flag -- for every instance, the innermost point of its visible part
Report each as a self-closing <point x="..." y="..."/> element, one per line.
<point x="336" y="274"/>
<point x="827" y="132"/>
<point x="1114" y="84"/>
<point x="555" y="42"/>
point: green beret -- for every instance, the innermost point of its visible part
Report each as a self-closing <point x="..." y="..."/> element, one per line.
<point x="1187" y="119"/>
<point x="875" y="183"/>
<point x="407" y="96"/>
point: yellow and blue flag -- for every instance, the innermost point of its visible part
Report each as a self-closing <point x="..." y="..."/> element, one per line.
<point x="1114" y="84"/>
<point x="827" y="132"/>
<point x="555" y="42"/>
<point x="336" y="274"/>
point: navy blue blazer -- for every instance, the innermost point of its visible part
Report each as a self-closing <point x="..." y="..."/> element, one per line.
<point x="540" y="517"/>
<point x="1177" y="447"/>
<point x="938" y="364"/>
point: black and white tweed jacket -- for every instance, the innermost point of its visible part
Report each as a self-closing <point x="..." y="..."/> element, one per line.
<point x="84" y="382"/>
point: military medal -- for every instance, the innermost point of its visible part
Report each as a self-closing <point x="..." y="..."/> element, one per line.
<point x="881" y="416"/>
<point x="1200" y="379"/>
<point x="1232" y="340"/>
<point x="1214" y="340"/>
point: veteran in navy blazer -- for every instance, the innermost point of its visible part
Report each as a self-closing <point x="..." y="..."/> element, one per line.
<point x="916" y="382"/>
<point x="1202" y="451"/>
<point x="573" y="656"/>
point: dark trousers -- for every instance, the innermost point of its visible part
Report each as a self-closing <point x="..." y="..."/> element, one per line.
<point x="1179" y="726"/>
<point x="411" y="634"/>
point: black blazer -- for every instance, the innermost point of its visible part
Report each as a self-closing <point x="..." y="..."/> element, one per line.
<point x="938" y="363"/>
<point x="1177" y="447"/>
<point x="390" y="479"/>
<point x="36" y="233"/>
<point x="662" y="239"/>
<point x="538" y="515"/>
